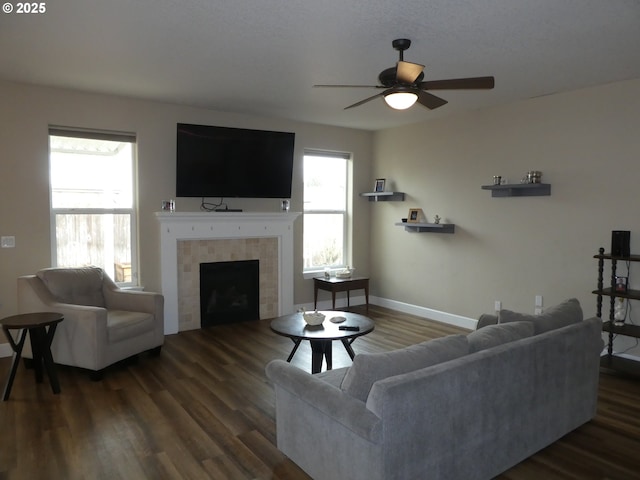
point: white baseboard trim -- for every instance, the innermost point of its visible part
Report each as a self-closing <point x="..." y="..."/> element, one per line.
<point x="437" y="315"/>
<point x="622" y="355"/>
<point x="424" y="312"/>
<point x="5" y="350"/>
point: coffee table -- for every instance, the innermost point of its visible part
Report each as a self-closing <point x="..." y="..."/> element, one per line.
<point x="321" y="336"/>
<point x="41" y="327"/>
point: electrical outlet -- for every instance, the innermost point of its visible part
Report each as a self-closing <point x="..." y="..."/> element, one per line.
<point x="497" y="306"/>
<point x="538" y="311"/>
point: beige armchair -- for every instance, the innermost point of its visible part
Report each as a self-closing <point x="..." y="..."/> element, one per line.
<point x="102" y="325"/>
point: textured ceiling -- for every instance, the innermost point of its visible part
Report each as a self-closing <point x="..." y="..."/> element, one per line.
<point x="263" y="57"/>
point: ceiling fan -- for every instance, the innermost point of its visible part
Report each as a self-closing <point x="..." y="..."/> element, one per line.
<point x="404" y="84"/>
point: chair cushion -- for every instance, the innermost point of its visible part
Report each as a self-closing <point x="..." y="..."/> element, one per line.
<point x="123" y="325"/>
<point x="494" y="335"/>
<point x="368" y="368"/>
<point x="559" y="316"/>
<point x="78" y="286"/>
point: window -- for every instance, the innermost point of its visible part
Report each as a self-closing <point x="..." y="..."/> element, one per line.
<point x="326" y="189"/>
<point x="93" y="214"/>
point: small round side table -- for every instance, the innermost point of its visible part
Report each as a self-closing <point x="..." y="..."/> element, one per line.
<point x="41" y="327"/>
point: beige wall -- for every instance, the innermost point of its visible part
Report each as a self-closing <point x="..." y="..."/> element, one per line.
<point x="586" y="143"/>
<point x="25" y="115"/>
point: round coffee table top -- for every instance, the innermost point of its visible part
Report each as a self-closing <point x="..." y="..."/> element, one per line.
<point x="294" y="326"/>
<point x="31" y="320"/>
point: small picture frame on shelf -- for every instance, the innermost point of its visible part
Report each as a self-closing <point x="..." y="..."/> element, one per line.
<point x="621" y="284"/>
<point x="379" y="185"/>
<point x="415" y="215"/>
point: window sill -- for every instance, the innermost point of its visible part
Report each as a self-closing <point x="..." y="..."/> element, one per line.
<point x="308" y="275"/>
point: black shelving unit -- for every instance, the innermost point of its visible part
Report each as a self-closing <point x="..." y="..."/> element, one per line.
<point x="610" y="361"/>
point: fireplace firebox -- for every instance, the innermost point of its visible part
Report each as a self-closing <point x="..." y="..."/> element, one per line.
<point x="229" y="292"/>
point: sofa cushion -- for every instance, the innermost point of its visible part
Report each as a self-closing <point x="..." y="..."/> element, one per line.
<point x="78" y="286"/>
<point x="494" y="335"/>
<point x="368" y="368"/>
<point x="561" y="315"/>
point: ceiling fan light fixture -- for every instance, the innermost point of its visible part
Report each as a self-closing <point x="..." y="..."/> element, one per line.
<point x="401" y="100"/>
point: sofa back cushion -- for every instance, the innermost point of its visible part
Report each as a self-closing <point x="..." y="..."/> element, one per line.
<point x="368" y="368"/>
<point x="78" y="286"/>
<point x="486" y="319"/>
<point x="494" y="335"/>
<point x="559" y="316"/>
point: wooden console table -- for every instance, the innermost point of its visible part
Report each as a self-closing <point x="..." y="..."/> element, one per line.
<point x="335" y="285"/>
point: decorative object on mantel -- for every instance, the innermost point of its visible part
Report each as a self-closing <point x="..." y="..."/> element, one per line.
<point x="437" y="219"/>
<point x="379" y="185"/>
<point x="416" y="215"/>
<point x="497" y="179"/>
<point x="169" y="205"/>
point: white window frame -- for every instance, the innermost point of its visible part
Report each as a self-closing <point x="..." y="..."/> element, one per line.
<point x="310" y="272"/>
<point x="132" y="212"/>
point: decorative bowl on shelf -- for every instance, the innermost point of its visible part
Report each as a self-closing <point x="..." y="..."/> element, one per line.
<point x="313" y="318"/>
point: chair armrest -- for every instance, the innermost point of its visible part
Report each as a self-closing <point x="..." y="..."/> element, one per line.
<point x="116" y="298"/>
<point x="134" y="301"/>
<point x="337" y="405"/>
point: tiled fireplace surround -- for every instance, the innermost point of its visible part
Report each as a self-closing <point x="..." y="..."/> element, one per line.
<point x="190" y="238"/>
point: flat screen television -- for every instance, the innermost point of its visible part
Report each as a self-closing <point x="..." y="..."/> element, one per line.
<point x="228" y="162"/>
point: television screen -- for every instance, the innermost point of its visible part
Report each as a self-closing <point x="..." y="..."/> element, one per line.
<point x="223" y="162"/>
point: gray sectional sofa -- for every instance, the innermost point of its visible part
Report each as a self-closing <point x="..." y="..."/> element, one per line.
<point x="458" y="407"/>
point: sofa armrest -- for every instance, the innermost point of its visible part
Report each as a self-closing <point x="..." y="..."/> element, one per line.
<point x="328" y="399"/>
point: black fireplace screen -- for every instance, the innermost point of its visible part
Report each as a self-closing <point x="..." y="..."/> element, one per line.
<point x="229" y="292"/>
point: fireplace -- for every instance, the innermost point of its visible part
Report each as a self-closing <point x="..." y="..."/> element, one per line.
<point x="229" y="292"/>
<point x="190" y="238"/>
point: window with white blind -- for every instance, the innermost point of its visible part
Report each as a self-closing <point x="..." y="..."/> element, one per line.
<point x="326" y="216"/>
<point x="93" y="201"/>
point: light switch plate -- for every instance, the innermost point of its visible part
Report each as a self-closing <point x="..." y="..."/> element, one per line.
<point x="8" y="242"/>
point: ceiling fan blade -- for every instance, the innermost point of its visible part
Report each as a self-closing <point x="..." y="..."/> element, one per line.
<point x="369" y="99"/>
<point x="430" y="101"/>
<point x="459" y="84"/>
<point x="407" y="72"/>
<point x="350" y="86"/>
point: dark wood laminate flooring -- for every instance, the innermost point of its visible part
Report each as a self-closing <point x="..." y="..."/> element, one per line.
<point x="204" y="409"/>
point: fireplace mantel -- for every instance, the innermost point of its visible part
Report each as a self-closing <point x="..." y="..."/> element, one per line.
<point x="177" y="226"/>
